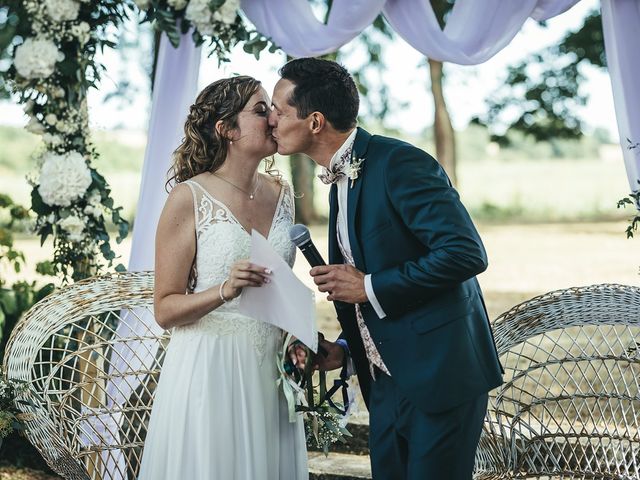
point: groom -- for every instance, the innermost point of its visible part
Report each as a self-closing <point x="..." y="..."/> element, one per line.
<point x="403" y="257"/>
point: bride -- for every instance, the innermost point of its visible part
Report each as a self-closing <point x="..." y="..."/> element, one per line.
<point x="218" y="413"/>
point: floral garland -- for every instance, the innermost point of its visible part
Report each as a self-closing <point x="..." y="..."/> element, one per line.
<point x="52" y="44"/>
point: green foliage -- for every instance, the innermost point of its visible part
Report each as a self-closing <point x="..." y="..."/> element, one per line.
<point x="166" y="19"/>
<point x="541" y="94"/>
<point x="632" y="199"/>
<point x="15" y="299"/>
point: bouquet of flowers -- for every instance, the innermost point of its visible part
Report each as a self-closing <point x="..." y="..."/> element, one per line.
<point x="325" y="420"/>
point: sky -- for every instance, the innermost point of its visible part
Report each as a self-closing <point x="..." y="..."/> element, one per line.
<point x="406" y="76"/>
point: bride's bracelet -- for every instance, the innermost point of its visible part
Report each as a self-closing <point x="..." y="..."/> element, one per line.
<point x="224" y="300"/>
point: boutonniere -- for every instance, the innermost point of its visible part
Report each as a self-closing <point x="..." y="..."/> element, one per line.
<point x="353" y="170"/>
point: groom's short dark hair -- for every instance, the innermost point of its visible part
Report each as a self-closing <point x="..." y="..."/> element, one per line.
<point x="323" y="86"/>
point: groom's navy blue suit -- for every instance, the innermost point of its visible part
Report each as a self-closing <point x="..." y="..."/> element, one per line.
<point x="409" y="230"/>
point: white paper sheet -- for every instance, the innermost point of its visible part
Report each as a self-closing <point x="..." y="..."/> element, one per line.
<point x="285" y="302"/>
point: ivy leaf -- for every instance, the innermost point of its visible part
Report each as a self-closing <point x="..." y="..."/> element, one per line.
<point x="38" y="205"/>
<point x="123" y="231"/>
<point x="8" y="301"/>
<point x="44" y="291"/>
<point x="107" y="253"/>
<point x="45" y="268"/>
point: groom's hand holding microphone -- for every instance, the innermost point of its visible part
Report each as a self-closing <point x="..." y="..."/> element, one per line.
<point x="343" y="283"/>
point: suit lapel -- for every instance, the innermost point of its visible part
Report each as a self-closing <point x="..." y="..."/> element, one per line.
<point x="360" y="146"/>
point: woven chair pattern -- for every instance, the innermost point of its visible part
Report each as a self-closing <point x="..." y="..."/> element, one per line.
<point x="64" y="347"/>
<point x="570" y="402"/>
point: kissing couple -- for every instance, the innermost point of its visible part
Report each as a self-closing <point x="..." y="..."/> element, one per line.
<point x="403" y="260"/>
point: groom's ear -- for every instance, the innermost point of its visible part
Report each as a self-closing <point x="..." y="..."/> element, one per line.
<point x="318" y="122"/>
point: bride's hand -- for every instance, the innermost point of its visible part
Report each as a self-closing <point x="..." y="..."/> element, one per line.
<point x="244" y="274"/>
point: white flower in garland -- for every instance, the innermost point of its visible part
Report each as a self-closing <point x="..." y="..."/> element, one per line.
<point x="94" y="204"/>
<point x="227" y="12"/>
<point x="36" y="58"/>
<point x="178" y="4"/>
<point x="63" y="178"/>
<point x="62" y="10"/>
<point x="74" y="226"/>
<point x="199" y="13"/>
<point x="82" y="32"/>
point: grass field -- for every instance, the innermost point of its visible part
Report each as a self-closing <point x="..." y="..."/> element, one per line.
<point x="522" y="184"/>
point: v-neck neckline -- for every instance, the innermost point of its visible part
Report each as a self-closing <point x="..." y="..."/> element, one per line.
<point x="232" y="215"/>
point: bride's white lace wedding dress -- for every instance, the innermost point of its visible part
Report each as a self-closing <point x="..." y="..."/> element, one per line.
<point x="217" y="412"/>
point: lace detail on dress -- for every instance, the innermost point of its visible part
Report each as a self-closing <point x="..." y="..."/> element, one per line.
<point x="221" y="241"/>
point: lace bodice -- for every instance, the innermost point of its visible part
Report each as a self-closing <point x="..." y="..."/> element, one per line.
<point x="221" y="241"/>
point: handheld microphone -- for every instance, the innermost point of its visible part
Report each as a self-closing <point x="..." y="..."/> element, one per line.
<point x="300" y="236"/>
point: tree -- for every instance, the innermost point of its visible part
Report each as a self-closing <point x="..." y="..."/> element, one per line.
<point x="541" y="94"/>
<point x="443" y="132"/>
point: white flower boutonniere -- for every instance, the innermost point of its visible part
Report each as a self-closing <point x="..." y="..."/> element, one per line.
<point x="353" y="170"/>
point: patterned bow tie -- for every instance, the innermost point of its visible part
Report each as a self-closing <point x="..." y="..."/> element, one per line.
<point x="338" y="169"/>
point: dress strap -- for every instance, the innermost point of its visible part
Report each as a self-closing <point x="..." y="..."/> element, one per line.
<point x="191" y="186"/>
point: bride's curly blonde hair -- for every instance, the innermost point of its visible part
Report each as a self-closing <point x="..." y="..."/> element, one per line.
<point x="203" y="148"/>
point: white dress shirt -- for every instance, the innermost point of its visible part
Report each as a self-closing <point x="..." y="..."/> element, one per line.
<point x="342" y="222"/>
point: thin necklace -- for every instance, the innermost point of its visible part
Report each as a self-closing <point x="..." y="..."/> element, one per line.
<point x="251" y="194"/>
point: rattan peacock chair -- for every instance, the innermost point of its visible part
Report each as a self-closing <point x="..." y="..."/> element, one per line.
<point x="91" y="389"/>
<point x="570" y="402"/>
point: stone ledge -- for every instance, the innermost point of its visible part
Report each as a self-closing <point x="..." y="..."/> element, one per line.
<point x="338" y="466"/>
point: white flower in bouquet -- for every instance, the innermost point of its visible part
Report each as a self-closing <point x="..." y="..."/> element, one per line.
<point x="74" y="226"/>
<point x="177" y="4"/>
<point x="34" y="126"/>
<point x="52" y="140"/>
<point x="82" y="32"/>
<point x="227" y="12"/>
<point x="62" y="10"/>
<point x="36" y="58"/>
<point x="142" y="4"/>
<point x="94" y="204"/>
<point x="51" y="118"/>
<point x="199" y="13"/>
<point x="63" y="178"/>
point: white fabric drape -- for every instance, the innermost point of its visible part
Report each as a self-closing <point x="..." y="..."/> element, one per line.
<point x="294" y="28"/>
<point x="175" y="88"/>
<point x="621" y="25"/>
<point x="475" y="30"/>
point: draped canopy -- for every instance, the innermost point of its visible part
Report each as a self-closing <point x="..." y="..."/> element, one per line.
<point x="475" y="31"/>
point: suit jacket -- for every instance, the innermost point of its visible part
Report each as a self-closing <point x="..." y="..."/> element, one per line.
<point x="409" y="230"/>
